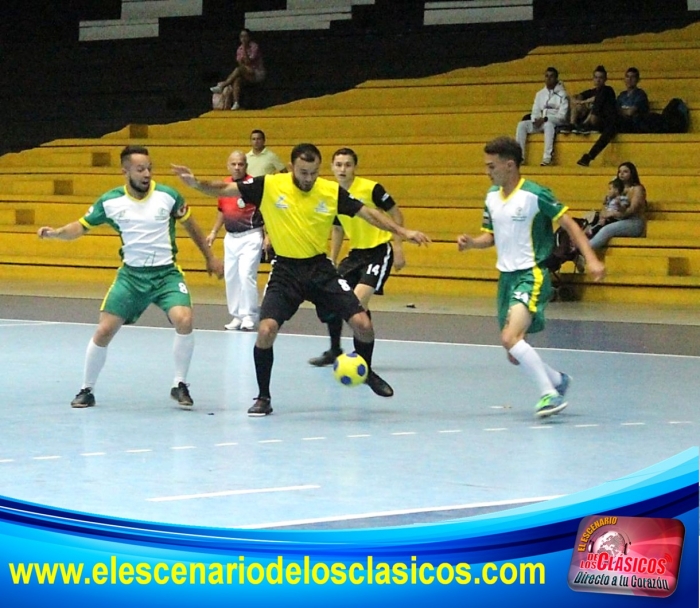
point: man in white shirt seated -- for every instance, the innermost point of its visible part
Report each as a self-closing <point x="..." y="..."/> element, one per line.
<point x="549" y="110"/>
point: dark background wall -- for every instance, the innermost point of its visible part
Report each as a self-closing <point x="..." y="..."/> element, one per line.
<point x="54" y="86"/>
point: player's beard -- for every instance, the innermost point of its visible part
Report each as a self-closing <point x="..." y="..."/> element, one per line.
<point x="301" y="187"/>
<point x="138" y="187"/>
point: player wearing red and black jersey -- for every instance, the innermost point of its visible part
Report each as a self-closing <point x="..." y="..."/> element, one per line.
<point x="243" y="245"/>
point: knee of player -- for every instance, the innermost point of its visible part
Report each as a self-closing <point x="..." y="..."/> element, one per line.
<point x="509" y="339"/>
<point x="267" y="332"/>
<point x="181" y="317"/>
<point x="362" y="326"/>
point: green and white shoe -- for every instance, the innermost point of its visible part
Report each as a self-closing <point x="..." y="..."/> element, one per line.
<point x="549" y="405"/>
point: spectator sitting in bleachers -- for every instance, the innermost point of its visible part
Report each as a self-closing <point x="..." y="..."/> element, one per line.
<point x="630" y="220"/>
<point x="614" y="205"/>
<point x="632" y="104"/>
<point x="250" y="69"/>
<point x="595" y="110"/>
<point x="632" y="109"/>
<point x="549" y="110"/>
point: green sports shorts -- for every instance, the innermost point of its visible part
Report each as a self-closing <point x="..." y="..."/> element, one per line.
<point x="531" y="287"/>
<point x="135" y="288"/>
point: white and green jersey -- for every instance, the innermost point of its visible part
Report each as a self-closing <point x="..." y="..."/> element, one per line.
<point x="146" y="226"/>
<point x="521" y="224"/>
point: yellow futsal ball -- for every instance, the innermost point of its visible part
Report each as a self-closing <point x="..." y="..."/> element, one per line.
<point x="350" y="369"/>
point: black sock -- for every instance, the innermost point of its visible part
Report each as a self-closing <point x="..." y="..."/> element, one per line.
<point x="365" y="350"/>
<point x="263" y="358"/>
<point x="335" y="330"/>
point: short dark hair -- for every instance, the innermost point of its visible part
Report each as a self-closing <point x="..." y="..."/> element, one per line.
<point x="601" y="69"/>
<point x="634" y="71"/>
<point x="129" y="150"/>
<point x="254" y="131"/>
<point x="307" y="152"/>
<point x="618" y="184"/>
<point x="345" y="152"/>
<point x="554" y="71"/>
<point x="506" y="148"/>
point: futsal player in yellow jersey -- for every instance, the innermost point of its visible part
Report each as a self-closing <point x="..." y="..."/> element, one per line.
<point x="299" y="209"/>
<point x="373" y="251"/>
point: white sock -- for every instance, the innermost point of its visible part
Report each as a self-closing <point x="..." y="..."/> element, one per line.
<point x="533" y="366"/>
<point x="183" y="347"/>
<point x="552" y="374"/>
<point x="95" y="358"/>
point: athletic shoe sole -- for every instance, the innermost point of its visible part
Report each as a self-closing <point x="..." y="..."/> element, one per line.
<point x="546" y="412"/>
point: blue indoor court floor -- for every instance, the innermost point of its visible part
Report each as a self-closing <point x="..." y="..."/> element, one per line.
<point x="458" y="438"/>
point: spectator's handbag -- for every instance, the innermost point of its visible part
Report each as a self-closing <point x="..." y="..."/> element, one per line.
<point x="217" y="101"/>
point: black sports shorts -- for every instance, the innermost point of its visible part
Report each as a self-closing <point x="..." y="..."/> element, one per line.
<point x="292" y="281"/>
<point x="368" y="267"/>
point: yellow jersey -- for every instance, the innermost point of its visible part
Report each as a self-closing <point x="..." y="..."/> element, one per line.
<point x="297" y="222"/>
<point x="364" y="235"/>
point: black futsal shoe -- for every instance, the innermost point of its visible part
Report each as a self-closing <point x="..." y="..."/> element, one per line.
<point x="380" y="386"/>
<point x="181" y="394"/>
<point x="260" y="408"/>
<point x="84" y="398"/>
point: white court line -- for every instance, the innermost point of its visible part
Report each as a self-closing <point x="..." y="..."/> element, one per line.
<point x="541" y="427"/>
<point x="356" y="436"/>
<point x="476" y="505"/>
<point x="232" y="493"/>
<point x="545" y="348"/>
<point x="284" y="336"/>
<point x="24" y="323"/>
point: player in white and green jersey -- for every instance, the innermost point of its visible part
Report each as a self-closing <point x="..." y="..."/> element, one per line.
<point x="143" y="213"/>
<point x="518" y="216"/>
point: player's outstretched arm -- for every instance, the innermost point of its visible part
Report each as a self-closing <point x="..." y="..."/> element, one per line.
<point x="68" y="232"/>
<point x="216" y="188"/>
<point x="483" y="241"/>
<point x="399" y="257"/>
<point x="383" y="221"/>
<point x="214" y="265"/>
